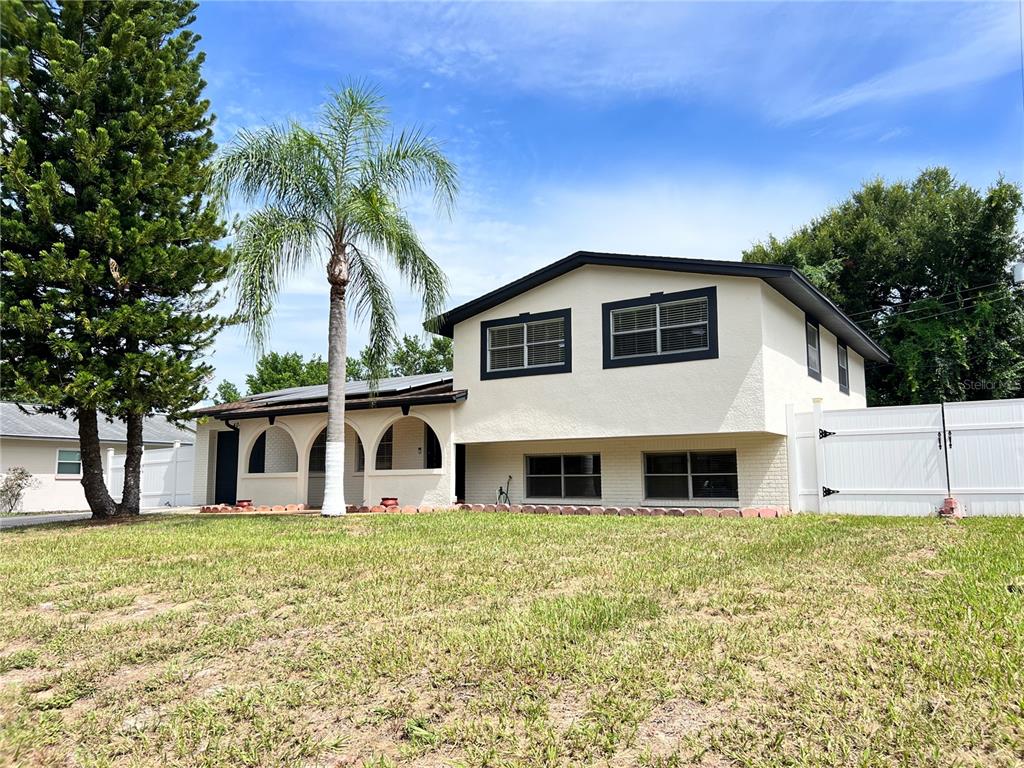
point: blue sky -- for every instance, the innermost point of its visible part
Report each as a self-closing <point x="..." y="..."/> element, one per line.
<point x="671" y="129"/>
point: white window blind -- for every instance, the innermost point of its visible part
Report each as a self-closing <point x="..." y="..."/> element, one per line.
<point x="657" y="329"/>
<point x="526" y="345"/>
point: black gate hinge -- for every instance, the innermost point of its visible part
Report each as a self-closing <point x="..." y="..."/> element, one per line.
<point x="826" y="491"/>
<point x="823" y="433"/>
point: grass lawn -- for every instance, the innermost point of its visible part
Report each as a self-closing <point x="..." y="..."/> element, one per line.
<point x="501" y="640"/>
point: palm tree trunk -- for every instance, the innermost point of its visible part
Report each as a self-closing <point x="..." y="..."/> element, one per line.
<point x="334" y="486"/>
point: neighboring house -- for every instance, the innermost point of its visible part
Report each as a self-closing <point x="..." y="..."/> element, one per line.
<point x="47" y="446"/>
<point x="601" y="379"/>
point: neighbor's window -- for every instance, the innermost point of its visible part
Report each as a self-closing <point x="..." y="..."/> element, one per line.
<point x="660" y="329"/>
<point x="813" y="349"/>
<point x="572" y="476"/>
<point x="691" y="475"/>
<point x="386" y="450"/>
<point x="69" y="463"/>
<point x="844" y="369"/>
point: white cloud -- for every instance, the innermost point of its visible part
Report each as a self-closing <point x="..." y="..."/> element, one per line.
<point x="788" y="62"/>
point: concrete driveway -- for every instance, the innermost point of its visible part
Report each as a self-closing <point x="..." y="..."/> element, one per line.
<point x="22" y="521"/>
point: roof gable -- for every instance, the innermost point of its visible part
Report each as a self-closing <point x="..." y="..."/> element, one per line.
<point x="785" y="279"/>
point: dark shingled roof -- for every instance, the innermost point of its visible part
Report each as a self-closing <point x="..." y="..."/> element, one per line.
<point x="424" y="389"/>
<point x="15" y="422"/>
<point x="785" y="279"/>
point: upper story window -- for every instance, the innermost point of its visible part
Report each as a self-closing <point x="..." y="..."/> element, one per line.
<point x="844" y="369"/>
<point x="661" y="328"/>
<point x="813" y="334"/>
<point x="527" y="345"/>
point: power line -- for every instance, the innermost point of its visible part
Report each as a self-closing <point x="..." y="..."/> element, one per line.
<point x="955" y="309"/>
<point x="949" y="302"/>
<point x="940" y="296"/>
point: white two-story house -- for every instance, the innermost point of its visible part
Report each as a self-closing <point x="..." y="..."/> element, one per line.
<point x="601" y="379"/>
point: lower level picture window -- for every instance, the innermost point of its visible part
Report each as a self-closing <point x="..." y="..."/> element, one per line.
<point x="691" y="475"/>
<point x="569" y="476"/>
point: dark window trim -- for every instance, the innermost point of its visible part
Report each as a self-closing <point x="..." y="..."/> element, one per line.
<point x="562" y="475"/>
<point x="808" y="320"/>
<point x="526" y="317"/>
<point x="711" y="353"/>
<point x="689" y="474"/>
<point x="840" y="345"/>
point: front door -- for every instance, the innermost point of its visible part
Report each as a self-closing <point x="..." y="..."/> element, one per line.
<point x="460" y="471"/>
<point x="225" y="489"/>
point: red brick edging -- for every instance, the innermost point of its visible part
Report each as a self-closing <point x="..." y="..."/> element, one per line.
<point x="534" y="509"/>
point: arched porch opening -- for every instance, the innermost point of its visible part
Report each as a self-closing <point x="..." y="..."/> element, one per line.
<point x="317" y="475"/>
<point x="408" y="443"/>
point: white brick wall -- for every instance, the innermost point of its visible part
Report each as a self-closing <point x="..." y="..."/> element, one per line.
<point x="281" y="455"/>
<point x="761" y="467"/>
<point x="408" y="445"/>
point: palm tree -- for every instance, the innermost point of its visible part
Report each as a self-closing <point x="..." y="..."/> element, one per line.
<point x="331" y="196"/>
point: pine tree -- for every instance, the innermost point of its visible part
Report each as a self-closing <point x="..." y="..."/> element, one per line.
<point x="109" y="263"/>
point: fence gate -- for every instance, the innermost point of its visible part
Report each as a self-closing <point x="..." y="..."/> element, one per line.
<point x="905" y="460"/>
<point x="166" y="476"/>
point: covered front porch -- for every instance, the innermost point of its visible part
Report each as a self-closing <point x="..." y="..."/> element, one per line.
<point x="272" y="450"/>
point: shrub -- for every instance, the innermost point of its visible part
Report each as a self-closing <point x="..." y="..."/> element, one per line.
<point x="13" y="487"/>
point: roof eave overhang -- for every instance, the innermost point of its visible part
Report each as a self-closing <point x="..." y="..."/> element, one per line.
<point x="351" y="405"/>
<point x="787" y="280"/>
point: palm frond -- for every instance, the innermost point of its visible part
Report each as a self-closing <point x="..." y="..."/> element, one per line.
<point x="408" y="162"/>
<point x="354" y="121"/>
<point x="269" y="245"/>
<point x="285" y="166"/>
<point x="372" y="302"/>
<point x="384" y="226"/>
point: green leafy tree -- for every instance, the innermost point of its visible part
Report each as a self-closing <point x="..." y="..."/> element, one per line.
<point x="357" y="368"/>
<point x="275" y="370"/>
<point x="226" y="393"/>
<point x="410" y="357"/>
<point x="413" y="357"/>
<point x="332" y="195"/>
<point x="924" y="268"/>
<point x="108" y="235"/>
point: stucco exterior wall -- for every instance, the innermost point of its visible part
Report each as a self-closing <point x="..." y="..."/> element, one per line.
<point x="785" y="365"/>
<point x="762" y="468"/>
<point x="696" y="397"/>
<point x="39" y="457"/>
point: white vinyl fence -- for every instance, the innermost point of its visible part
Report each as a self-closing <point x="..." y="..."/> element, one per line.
<point x="166" y="476"/>
<point x="906" y="460"/>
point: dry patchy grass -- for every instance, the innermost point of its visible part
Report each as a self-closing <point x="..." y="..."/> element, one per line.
<point x="491" y="640"/>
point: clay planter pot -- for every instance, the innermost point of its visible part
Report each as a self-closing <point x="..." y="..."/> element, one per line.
<point x="389" y="501"/>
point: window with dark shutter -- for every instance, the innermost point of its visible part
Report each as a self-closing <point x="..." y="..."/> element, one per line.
<point x="844" y="369"/>
<point x="662" y="328"/>
<point x="525" y="346"/>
